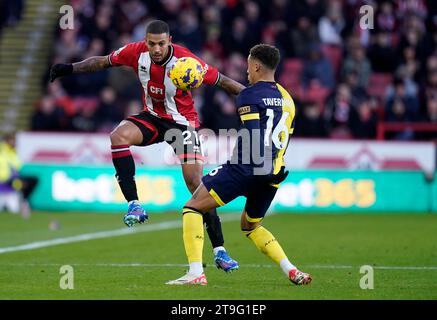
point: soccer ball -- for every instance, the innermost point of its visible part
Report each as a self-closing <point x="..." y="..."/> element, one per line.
<point x="187" y="73"/>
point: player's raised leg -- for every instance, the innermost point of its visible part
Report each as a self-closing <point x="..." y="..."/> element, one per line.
<point x="193" y="235"/>
<point x="125" y="135"/>
<point x="192" y="174"/>
<point x="258" y="202"/>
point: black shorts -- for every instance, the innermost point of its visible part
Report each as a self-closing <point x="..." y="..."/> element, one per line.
<point x="226" y="182"/>
<point x="184" y="140"/>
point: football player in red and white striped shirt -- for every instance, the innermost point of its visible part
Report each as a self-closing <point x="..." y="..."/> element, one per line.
<point x="165" y="108"/>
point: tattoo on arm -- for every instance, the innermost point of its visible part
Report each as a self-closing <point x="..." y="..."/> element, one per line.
<point x="229" y="85"/>
<point x="92" y="64"/>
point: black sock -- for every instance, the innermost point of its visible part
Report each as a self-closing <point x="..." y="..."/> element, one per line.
<point x="214" y="228"/>
<point x="29" y="184"/>
<point x="125" y="171"/>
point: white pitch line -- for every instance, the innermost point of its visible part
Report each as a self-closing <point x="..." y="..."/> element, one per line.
<point x="172" y="265"/>
<point x="374" y="267"/>
<point x="104" y="234"/>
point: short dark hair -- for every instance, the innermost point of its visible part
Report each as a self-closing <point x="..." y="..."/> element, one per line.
<point x="157" y="27"/>
<point x="267" y="54"/>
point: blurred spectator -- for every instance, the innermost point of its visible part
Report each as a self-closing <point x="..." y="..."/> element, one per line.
<point x="357" y="62"/>
<point x="430" y="40"/>
<point x="68" y="47"/>
<point x="410" y="102"/>
<point x="49" y="116"/>
<point x="397" y="112"/>
<point x="410" y="62"/>
<point x="317" y="68"/>
<point x="109" y="113"/>
<point x="61" y="98"/>
<point x="405" y="75"/>
<point x="300" y="38"/>
<point x="218" y="110"/>
<point x="252" y="15"/>
<point x="332" y="24"/>
<point x="188" y="33"/>
<point x="11" y="12"/>
<point x="381" y="53"/>
<point x="222" y="32"/>
<point x="213" y="43"/>
<point x="358" y="92"/>
<point x="12" y="180"/>
<point x="279" y="10"/>
<point x="431" y="110"/>
<point x="85" y="120"/>
<point x="338" y="110"/>
<point x="431" y="117"/>
<point x="241" y="39"/>
<point x="430" y="88"/>
<point x="124" y="82"/>
<point x="385" y="17"/>
<point x="406" y="7"/>
<point x="312" y="9"/>
<point x="133" y="11"/>
<point x="310" y="122"/>
<point x="3" y="14"/>
<point x="85" y="84"/>
<point x="363" y="120"/>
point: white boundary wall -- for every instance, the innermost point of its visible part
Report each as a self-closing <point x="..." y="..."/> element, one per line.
<point x="94" y="149"/>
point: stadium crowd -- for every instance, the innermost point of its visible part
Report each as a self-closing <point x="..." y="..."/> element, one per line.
<point x="10" y="12"/>
<point x="345" y="79"/>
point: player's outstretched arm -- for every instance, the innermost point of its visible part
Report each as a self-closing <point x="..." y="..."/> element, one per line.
<point x="229" y="85"/>
<point x="91" y="64"/>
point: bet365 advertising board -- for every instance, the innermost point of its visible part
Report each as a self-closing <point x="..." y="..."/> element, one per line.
<point x="95" y="189"/>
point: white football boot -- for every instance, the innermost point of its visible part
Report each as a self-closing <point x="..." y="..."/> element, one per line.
<point x="299" y="277"/>
<point x="190" y="279"/>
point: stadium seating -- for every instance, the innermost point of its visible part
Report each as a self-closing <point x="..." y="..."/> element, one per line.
<point x="378" y="84"/>
<point x="335" y="55"/>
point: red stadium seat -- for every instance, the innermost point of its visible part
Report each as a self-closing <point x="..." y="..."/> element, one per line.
<point x="291" y="82"/>
<point x="335" y="55"/>
<point x="378" y="84"/>
<point x="293" y="66"/>
<point x="85" y="103"/>
<point x="317" y="94"/>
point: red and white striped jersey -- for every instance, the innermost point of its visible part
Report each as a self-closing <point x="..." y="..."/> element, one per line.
<point x="161" y="97"/>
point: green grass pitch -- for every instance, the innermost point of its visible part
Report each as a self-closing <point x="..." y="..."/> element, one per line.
<point x="401" y="248"/>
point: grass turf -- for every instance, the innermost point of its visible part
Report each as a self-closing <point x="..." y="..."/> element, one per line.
<point x="136" y="266"/>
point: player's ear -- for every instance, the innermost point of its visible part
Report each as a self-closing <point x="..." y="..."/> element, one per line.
<point x="169" y="39"/>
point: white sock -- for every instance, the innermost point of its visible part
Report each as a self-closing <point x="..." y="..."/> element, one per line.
<point x="133" y="201"/>
<point x="286" y="266"/>
<point x="196" y="268"/>
<point x="217" y="249"/>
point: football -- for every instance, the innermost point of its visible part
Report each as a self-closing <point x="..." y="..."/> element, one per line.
<point x="187" y="73"/>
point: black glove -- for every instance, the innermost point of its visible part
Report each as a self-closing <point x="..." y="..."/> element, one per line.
<point x="60" y="70"/>
<point x="280" y="176"/>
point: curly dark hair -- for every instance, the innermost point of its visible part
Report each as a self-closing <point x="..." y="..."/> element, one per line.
<point x="267" y="54"/>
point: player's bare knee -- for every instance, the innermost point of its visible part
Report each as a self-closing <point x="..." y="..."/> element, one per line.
<point x="193" y="181"/>
<point x="119" y="136"/>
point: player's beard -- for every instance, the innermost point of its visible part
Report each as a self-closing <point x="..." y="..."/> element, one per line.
<point x="160" y="58"/>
